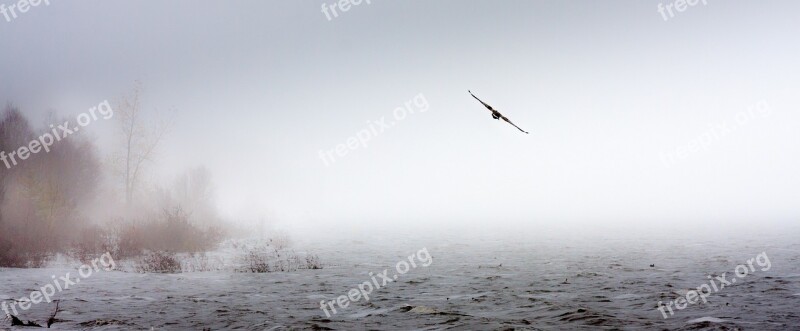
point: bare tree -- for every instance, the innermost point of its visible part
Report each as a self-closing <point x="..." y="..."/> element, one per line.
<point x="139" y="141"/>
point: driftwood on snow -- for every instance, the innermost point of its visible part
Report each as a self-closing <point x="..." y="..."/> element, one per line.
<point x="52" y="318"/>
<point x="15" y="321"/>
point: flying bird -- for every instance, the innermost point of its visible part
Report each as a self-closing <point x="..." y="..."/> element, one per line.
<point x="496" y="114"/>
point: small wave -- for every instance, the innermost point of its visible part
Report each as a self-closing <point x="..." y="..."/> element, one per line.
<point x="369" y="312"/>
<point x="145" y="298"/>
<point x="706" y="320"/>
<point x="317" y="297"/>
<point x="134" y="297"/>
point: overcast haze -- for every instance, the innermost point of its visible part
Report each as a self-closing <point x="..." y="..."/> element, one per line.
<point x="259" y="88"/>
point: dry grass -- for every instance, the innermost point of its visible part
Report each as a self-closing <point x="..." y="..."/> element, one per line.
<point x="265" y="258"/>
<point x="158" y="262"/>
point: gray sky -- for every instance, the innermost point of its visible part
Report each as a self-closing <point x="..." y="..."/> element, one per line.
<point x="607" y="89"/>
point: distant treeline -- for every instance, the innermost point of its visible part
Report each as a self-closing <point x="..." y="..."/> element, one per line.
<point x="71" y="200"/>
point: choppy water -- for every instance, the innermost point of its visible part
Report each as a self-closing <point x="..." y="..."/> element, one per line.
<point x="486" y="281"/>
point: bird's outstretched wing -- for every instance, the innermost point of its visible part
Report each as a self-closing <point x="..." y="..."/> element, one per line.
<point x="509" y="122"/>
<point x="479" y="100"/>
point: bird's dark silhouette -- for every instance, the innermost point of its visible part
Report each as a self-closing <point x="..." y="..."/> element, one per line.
<point x="496" y="114"/>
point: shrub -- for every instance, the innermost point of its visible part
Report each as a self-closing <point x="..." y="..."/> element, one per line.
<point x="91" y="242"/>
<point x="158" y="262"/>
<point x="313" y="262"/>
<point x="263" y="258"/>
<point x="173" y="232"/>
<point x="23" y="251"/>
<point x="9" y="257"/>
<point x="256" y="260"/>
<point x="130" y="241"/>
